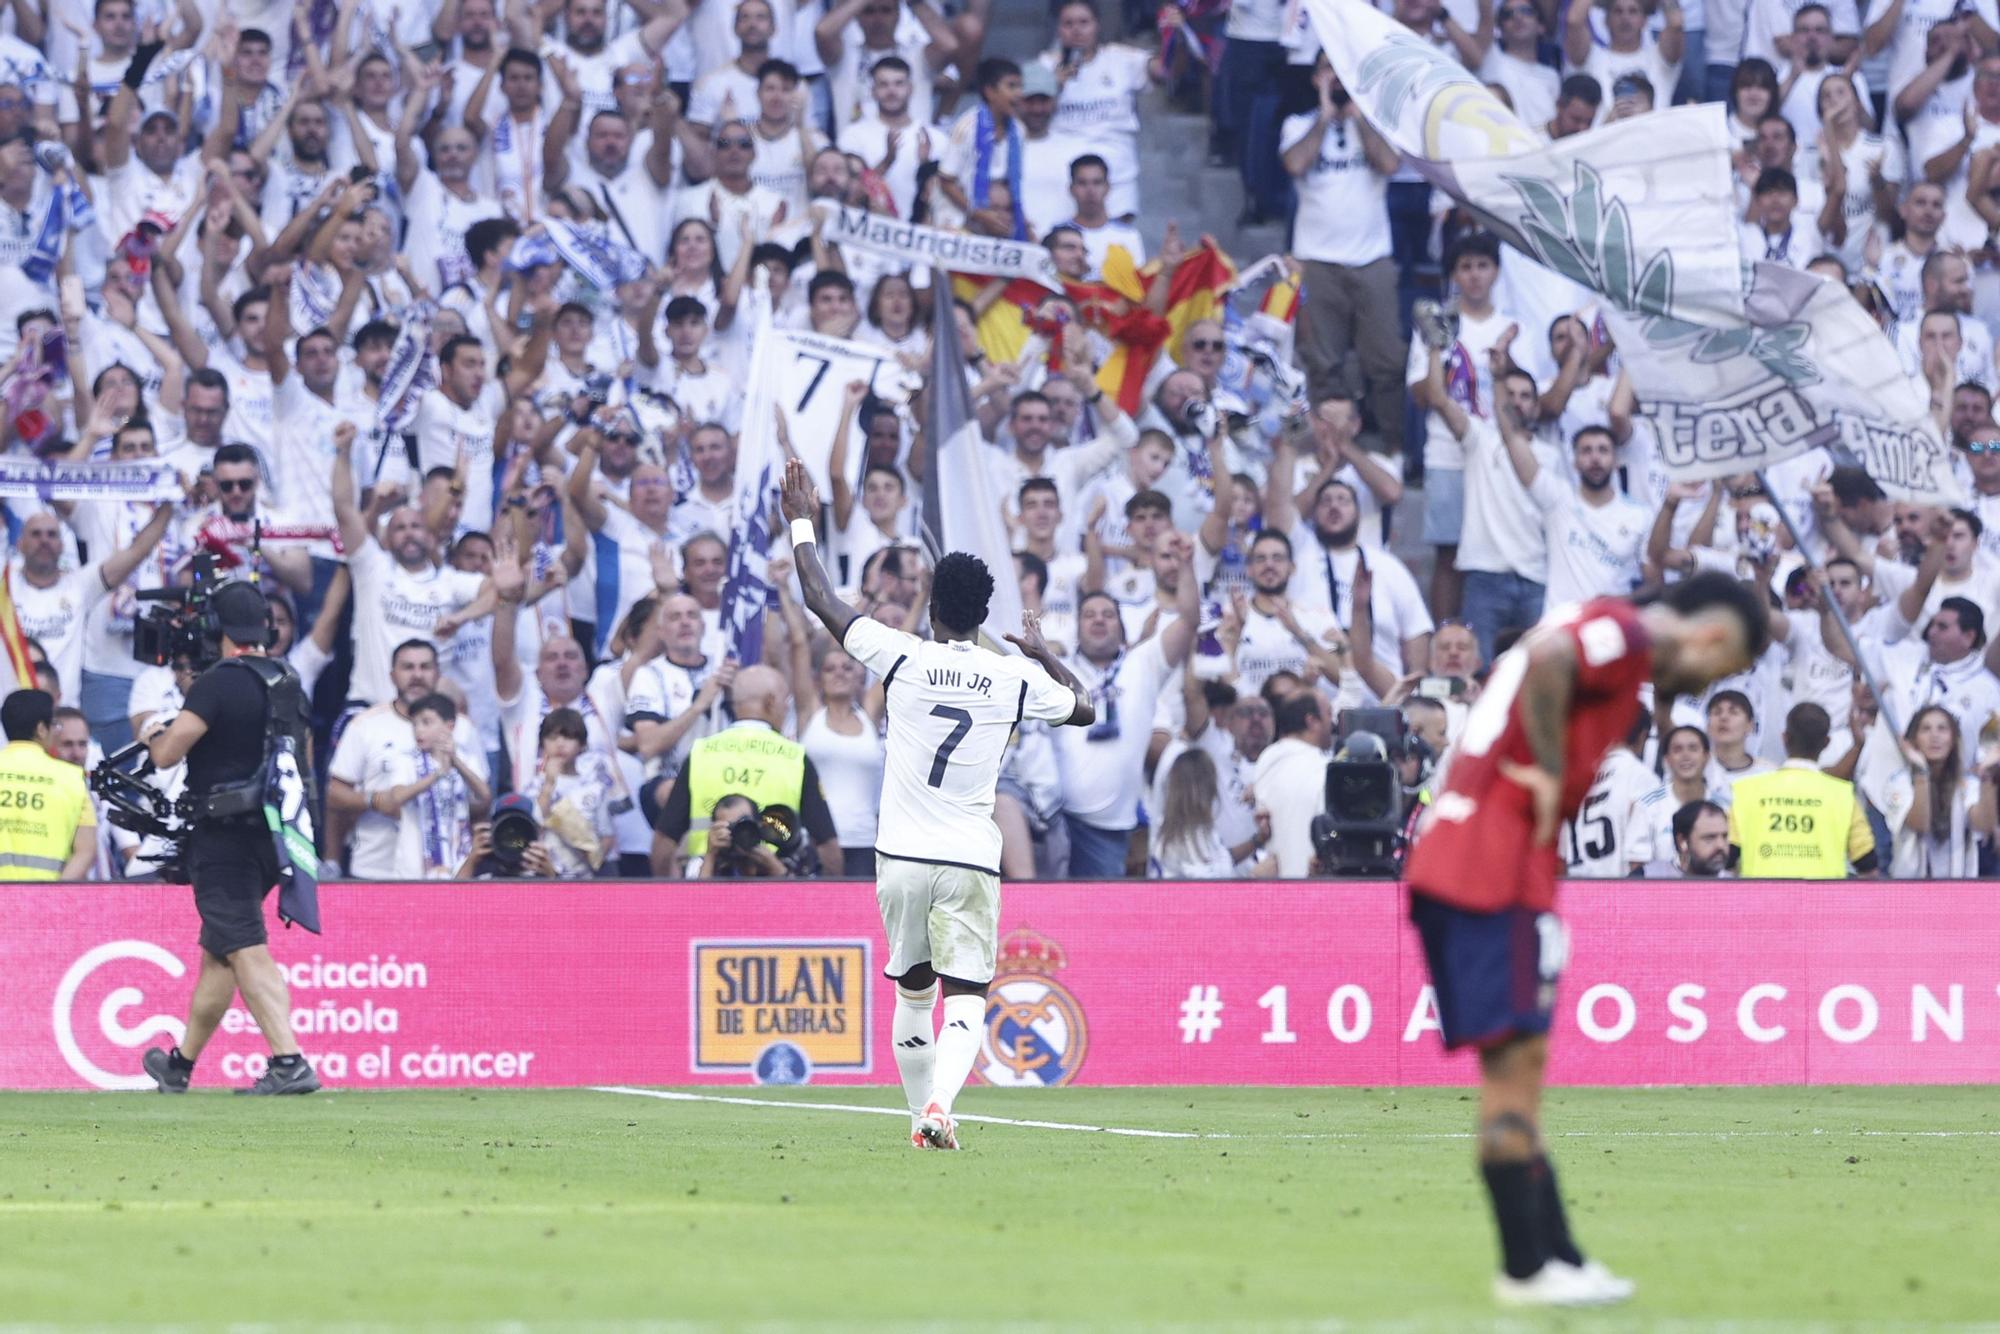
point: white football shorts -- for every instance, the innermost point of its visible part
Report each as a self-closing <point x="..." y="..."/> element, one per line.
<point x="945" y="916"/>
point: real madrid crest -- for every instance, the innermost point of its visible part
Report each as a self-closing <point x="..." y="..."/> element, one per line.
<point x="1036" y="1036"/>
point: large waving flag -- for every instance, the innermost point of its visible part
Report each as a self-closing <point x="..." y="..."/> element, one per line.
<point x="760" y="462"/>
<point x="1641" y="212"/>
<point x="965" y="516"/>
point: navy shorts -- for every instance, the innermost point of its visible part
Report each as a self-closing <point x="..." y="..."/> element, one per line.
<point x="1494" y="973"/>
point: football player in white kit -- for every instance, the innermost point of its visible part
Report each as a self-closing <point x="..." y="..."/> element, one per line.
<point x="951" y="707"/>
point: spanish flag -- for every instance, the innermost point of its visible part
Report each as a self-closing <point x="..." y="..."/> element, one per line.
<point x="1196" y="290"/>
<point x="16" y="671"/>
<point x="1281" y="300"/>
<point x="1113" y="306"/>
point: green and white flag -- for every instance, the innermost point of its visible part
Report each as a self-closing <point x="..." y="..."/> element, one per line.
<point x="1810" y="369"/>
<point x="1739" y="368"/>
<point x="1641" y="212"/>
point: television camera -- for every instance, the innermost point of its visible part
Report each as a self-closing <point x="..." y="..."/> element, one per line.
<point x="1371" y="785"/>
<point x="180" y="629"/>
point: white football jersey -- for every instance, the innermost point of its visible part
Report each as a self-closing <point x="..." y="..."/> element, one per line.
<point x="951" y="708"/>
<point x="1613" y="828"/>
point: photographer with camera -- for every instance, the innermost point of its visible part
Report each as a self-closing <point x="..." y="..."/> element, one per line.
<point x="233" y="858"/>
<point x="752" y="759"/>
<point x="737" y="849"/>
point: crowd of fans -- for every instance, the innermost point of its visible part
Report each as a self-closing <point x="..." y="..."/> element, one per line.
<point x="223" y="224"/>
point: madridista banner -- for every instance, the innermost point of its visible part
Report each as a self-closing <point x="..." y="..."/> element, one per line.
<point x="528" y="985"/>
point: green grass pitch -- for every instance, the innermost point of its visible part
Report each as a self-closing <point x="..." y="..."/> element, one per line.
<point x="1747" y="1208"/>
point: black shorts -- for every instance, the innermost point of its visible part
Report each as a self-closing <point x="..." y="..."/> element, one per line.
<point x="233" y="866"/>
<point x="1494" y="973"/>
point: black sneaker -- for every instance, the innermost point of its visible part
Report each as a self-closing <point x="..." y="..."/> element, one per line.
<point x="159" y="1064"/>
<point x="277" y="1080"/>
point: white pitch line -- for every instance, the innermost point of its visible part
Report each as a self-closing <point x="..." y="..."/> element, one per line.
<point x="669" y="1095"/>
<point x="666" y="1095"/>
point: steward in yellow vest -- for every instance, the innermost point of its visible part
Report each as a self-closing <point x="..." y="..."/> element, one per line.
<point x="750" y="758"/>
<point x="48" y="827"/>
<point x="1797" y="823"/>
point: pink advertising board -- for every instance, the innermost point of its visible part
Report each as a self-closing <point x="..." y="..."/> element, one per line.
<point x="1137" y="983"/>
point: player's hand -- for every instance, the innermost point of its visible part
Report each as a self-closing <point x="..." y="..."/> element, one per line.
<point x="1545" y="789"/>
<point x="797" y="495"/>
<point x="1030" y="640"/>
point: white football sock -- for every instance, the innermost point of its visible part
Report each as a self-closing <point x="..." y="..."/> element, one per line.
<point x="957" y="1047"/>
<point x="915" y="1035"/>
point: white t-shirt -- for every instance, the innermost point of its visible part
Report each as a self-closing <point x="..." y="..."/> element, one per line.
<point x="1468" y="379"/>
<point x="304" y="447"/>
<point x="1045" y="196"/>
<point x="54" y="616"/>
<point x="394" y="604"/>
<point x="916" y="144"/>
<point x="853" y="91"/>
<point x="1268" y="648"/>
<point x="663" y="690"/>
<point x="1097" y="242"/>
<point x="710" y="200"/>
<point x="1343" y="213"/>
<point x="521" y="725"/>
<point x="952" y="707"/>
<point x="1099" y="105"/>
<point x="104" y="527"/>
<point x="640" y="213"/>
<point x="1103" y="766"/>
<point x="1397" y="604"/>
<point x="438" y="220"/>
<point x="1533" y="85"/>
<point x="1906" y="45"/>
<point x="594" y="73"/>
<point x="723" y="84"/>
<point x="1795" y="247"/>
<point x="1613" y="828"/>
<point x="1504" y="530"/>
<point x="1801" y="109"/>
<point x="1768" y="20"/>
<point x="434" y="828"/>
<point x="371" y="752"/>
<point x="444" y="430"/>
<point x="1935" y="137"/>
<point x="850" y="775"/>
<point x="1608" y="66"/>
<point x="1594" y="550"/>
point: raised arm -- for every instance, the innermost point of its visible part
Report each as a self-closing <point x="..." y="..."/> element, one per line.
<point x="1577" y="40"/>
<point x="800" y="501"/>
<point x="827" y="32"/>
<point x="588" y="506"/>
<point x="346" y="515"/>
<point x="1910" y="604"/>
<point x="1031" y="644"/>
<point x="836" y="463"/>
<point x="118" y="566"/>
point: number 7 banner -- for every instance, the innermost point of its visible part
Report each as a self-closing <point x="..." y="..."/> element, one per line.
<point x="806" y="379"/>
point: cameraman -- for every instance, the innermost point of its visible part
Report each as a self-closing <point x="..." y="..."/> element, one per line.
<point x="232" y="860"/>
<point x="733" y="816"/>
<point x="749" y="758"/>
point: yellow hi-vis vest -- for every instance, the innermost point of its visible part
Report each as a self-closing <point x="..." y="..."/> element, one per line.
<point x="43" y="800"/>
<point x="1797" y="824"/>
<point x="748" y="760"/>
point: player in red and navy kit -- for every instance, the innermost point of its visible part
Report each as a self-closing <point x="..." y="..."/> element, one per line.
<point x="1482" y="875"/>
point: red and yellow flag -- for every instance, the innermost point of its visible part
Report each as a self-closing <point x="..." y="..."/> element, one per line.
<point x="16" y="671"/>
<point x="1113" y="306"/>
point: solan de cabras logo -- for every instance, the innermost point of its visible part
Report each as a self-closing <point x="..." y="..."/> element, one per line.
<point x="1036" y="1036"/>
